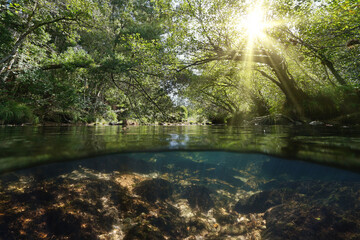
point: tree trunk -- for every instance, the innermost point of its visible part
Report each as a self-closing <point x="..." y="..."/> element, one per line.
<point x="295" y="96"/>
<point x="334" y="72"/>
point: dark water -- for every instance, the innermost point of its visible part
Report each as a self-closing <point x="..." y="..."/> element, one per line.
<point x="194" y="182"/>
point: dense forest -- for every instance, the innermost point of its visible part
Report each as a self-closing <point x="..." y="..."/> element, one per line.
<point x="153" y="61"/>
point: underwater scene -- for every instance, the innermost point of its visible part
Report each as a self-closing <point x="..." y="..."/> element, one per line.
<point x="175" y="193"/>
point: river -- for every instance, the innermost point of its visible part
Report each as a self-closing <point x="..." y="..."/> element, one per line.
<point x="179" y="182"/>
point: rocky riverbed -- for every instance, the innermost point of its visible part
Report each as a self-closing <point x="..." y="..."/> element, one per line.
<point x="131" y="198"/>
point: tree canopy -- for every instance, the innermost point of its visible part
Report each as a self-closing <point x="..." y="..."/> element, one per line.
<point x="155" y="60"/>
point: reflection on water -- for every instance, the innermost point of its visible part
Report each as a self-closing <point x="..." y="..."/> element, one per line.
<point x="26" y="146"/>
<point x="177" y="141"/>
<point x="180" y="195"/>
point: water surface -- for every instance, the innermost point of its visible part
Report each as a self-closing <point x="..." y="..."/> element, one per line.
<point x="26" y="146"/>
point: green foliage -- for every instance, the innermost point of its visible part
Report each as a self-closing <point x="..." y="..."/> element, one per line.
<point x="307" y="37"/>
<point x="183" y="113"/>
<point x="72" y="59"/>
<point x="78" y="61"/>
<point x="12" y="112"/>
<point x="110" y="115"/>
<point x="6" y="38"/>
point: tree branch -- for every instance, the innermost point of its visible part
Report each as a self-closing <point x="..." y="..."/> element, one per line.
<point x="24" y="35"/>
<point x="269" y="77"/>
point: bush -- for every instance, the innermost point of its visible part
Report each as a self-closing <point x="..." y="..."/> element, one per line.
<point x="179" y="115"/>
<point x="183" y="113"/>
<point x="110" y="116"/>
<point x="12" y="112"/>
<point x="90" y="118"/>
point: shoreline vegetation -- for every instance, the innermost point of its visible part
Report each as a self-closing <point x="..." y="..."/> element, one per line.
<point x="278" y="119"/>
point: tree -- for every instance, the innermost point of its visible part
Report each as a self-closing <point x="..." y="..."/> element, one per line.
<point x="221" y="43"/>
<point x="89" y="48"/>
<point x="32" y="16"/>
<point x="76" y="59"/>
<point x="213" y="35"/>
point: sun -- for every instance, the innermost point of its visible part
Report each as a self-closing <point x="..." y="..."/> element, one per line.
<point x="254" y="22"/>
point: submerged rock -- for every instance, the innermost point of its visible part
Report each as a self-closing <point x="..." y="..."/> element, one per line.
<point x="225" y="218"/>
<point x="262" y="201"/>
<point x="198" y="197"/>
<point x="297" y="221"/>
<point x="91" y="203"/>
<point x="61" y="223"/>
<point x="154" y="189"/>
<point x="169" y="222"/>
<point x="162" y="222"/>
<point x="143" y="232"/>
<point x="69" y="226"/>
<point x="35" y="197"/>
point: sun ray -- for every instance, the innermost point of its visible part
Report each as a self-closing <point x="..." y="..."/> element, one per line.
<point x="254" y="24"/>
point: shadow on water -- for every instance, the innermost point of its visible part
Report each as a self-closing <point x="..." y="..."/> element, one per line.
<point x="180" y="195"/>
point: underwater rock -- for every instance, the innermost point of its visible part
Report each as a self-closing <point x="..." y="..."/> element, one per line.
<point x="198" y="197"/>
<point x="100" y="187"/>
<point x="61" y="223"/>
<point x="225" y="218"/>
<point x="262" y="201"/>
<point x="297" y="221"/>
<point x="343" y="195"/>
<point x="34" y="198"/>
<point x="129" y="181"/>
<point x="233" y="230"/>
<point x="143" y="232"/>
<point x="68" y="226"/>
<point x="154" y="189"/>
<point x="197" y="225"/>
<point x="169" y="222"/>
<point x="94" y="204"/>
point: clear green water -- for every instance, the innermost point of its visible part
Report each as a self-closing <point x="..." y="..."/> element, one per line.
<point x="183" y="182"/>
<point x="26" y="146"/>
